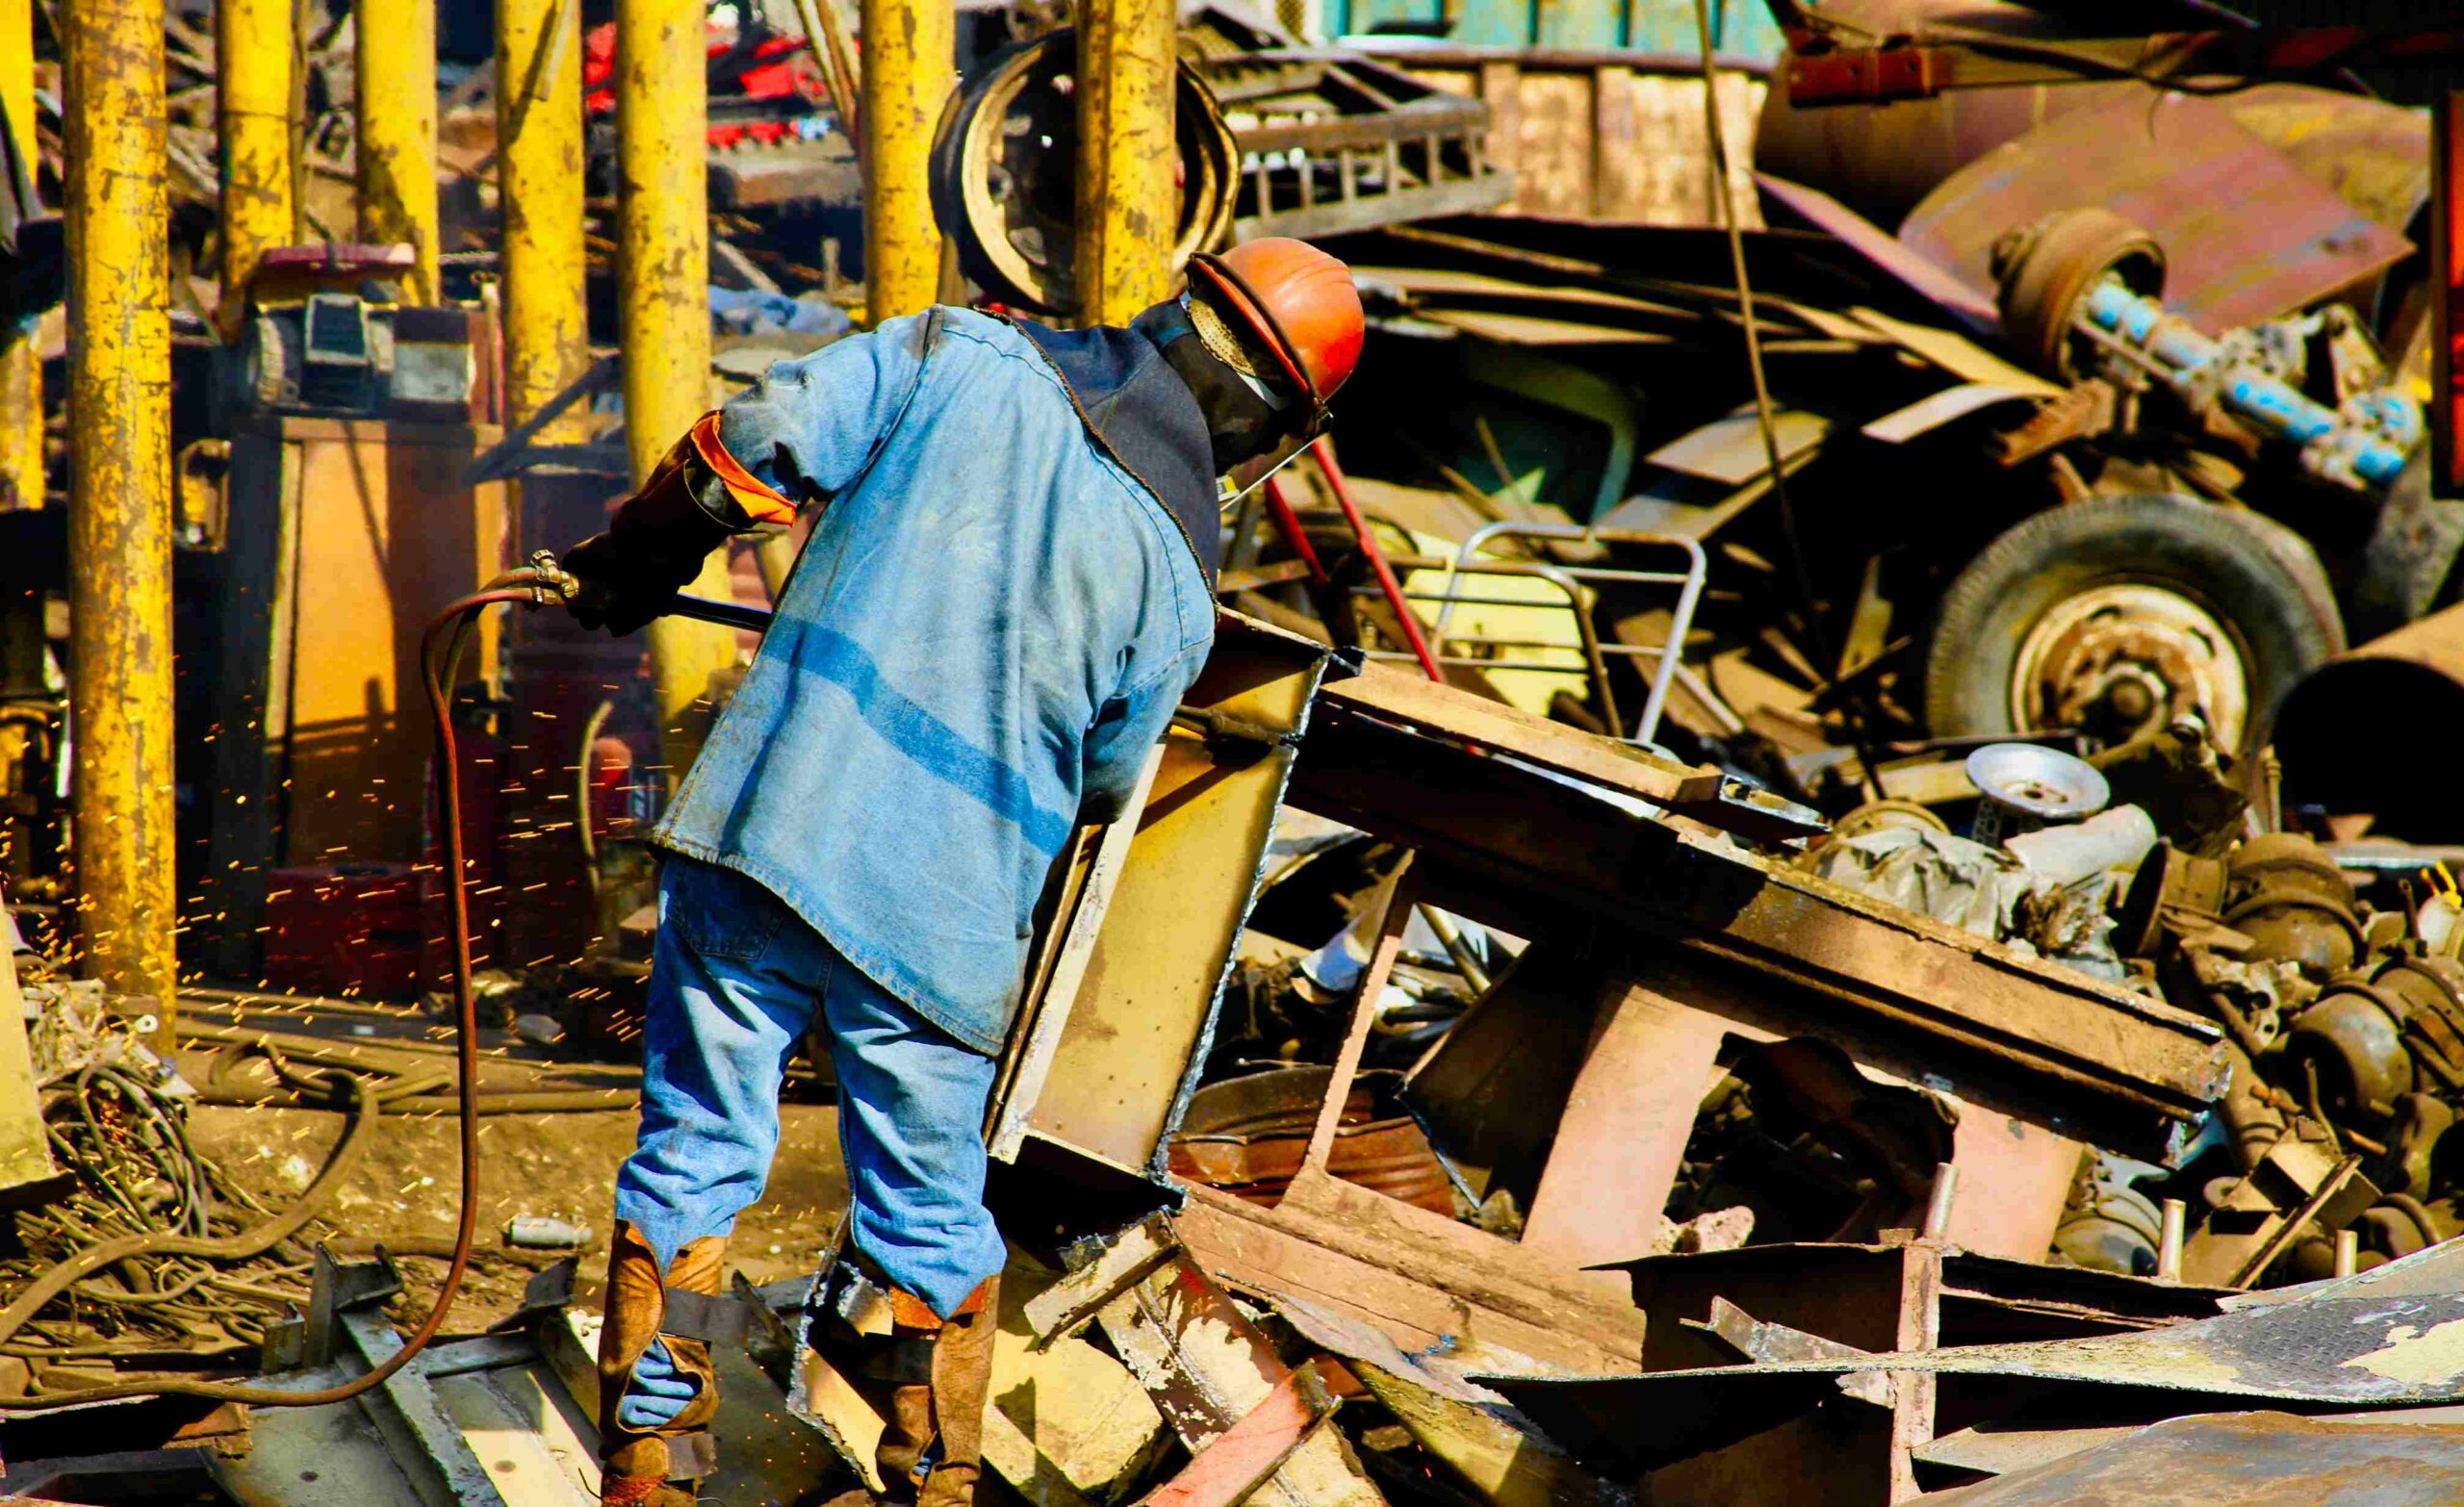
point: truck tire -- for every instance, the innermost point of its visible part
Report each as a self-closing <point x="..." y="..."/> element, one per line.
<point x="2115" y="613"/>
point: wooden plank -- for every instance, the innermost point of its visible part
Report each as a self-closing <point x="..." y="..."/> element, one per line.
<point x="1455" y="1308"/>
<point x="1241" y="1459"/>
<point x="1501" y="89"/>
<point x="1533" y="1285"/>
<point x="1400" y="889"/>
<point x="1131" y="1257"/>
<point x="1208" y="1367"/>
<point x="1620" y="155"/>
<point x="1446" y="712"/>
<point x="1553" y="150"/>
<point x="1509" y="1465"/>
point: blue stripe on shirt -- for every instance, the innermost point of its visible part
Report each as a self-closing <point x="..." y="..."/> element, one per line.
<point x="932" y="744"/>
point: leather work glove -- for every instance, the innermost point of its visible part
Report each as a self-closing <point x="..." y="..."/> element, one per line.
<point x="697" y="498"/>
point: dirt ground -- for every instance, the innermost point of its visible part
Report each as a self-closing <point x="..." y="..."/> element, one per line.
<point x="560" y="1166"/>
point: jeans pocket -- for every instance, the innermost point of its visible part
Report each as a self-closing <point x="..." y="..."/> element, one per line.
<point x="718" y="912"/>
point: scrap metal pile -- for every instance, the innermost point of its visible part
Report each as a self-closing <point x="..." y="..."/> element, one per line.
<point x="141" y="1250"/>
<point x="1724" y="924"/>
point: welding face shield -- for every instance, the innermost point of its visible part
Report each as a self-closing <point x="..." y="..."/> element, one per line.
<point x="1284" y="320"/>
<point x="1246" y="418"/>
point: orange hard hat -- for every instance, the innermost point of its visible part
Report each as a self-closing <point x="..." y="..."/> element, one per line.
<point x="1295" y="302"/>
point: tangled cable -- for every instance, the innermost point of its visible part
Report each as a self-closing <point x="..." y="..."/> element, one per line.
<point x="441" y="648"/>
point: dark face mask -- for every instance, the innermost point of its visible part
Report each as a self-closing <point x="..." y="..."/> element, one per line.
<point x="1239" y="422"/>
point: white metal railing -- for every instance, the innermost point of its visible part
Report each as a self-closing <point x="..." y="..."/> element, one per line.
<point x="1492" y="652"/>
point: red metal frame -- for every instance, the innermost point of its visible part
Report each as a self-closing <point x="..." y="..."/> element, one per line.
<point x="1288" y="524"/>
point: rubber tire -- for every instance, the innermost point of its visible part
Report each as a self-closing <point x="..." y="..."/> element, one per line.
<point x="2256" y="576"/>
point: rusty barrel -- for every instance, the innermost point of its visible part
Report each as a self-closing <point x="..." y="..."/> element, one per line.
<point x="2372" y="730"/>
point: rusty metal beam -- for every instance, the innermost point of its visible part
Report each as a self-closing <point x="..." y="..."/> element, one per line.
<point x="663" y="231"/>
<point x="119" y="496"/>
<point x="1127" y="211"/>
<point x="397" y="116"/>
<point x="1138" y="1027"/>
<point x="1444" y="711"/>
<point x="909" y="72"/>
<point x="252" y="45"/>
<point x="1759" y="939"/>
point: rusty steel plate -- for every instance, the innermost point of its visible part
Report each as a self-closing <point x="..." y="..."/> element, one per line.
<point x="1920" y="273"/>
<point x="2356" y="1352"/>
<point x="2247" y="235"/>
<point x="2250" y="1459"/>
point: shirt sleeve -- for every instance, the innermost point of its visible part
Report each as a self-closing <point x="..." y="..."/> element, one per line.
<point x="1125" y="730"/>
<point x="810" y="426"/>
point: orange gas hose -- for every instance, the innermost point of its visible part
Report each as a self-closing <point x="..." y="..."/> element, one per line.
<point x="532" y="586"/>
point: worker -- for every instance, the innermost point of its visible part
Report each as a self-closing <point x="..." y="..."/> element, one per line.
<point x="1006" y="592"/>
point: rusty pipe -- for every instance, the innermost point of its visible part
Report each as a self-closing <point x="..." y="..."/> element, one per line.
<point x="907" y="72"/>
<point x="21" y="476"/>
<point x="252" y="46"/>
<point x="119" y="496"/>
<point x="2358" y="734"/>
<point x="396" y="119"/>
<point x="663" y="233"/>
<point x="539" y="176"/>
<point x="1128" y="204"/>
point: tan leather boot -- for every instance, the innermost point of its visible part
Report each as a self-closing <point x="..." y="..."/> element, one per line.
<point x="926" y="1377"/>
<point x="655" y="1467"/>
<point x="936" y="1424"/>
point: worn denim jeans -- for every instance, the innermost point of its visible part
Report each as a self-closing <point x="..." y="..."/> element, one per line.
<point x="735" y="984"/>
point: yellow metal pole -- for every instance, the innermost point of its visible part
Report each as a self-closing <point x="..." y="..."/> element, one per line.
<point x="20" y="363"/>
<point x="252" y="46"/>
<point x="398" y="130"/>
<point x="1126" y="202"/>
<point x="539" y="176"/>
<point x="663" y="274"/>
<point x="119" y="495"/>
<point x="908" y="70"/>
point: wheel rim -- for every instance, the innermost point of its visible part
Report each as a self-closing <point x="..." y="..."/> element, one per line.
<point x="2119" y="659"/>
<point x="1018" y="213"/>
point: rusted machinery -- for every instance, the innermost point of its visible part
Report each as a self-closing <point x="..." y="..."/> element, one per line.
<point x="1665" y="956"/>
<point x="1658" y="953"/>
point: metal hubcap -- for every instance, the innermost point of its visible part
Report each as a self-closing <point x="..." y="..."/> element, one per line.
<point x="2117" y="660"/>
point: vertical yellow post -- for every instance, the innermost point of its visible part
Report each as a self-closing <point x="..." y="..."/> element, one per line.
<point x="20" y="363"/>
<point x="252" y="48"/>
<point x="1127" y="205"/>
<point x="119" y="494"/>
<point x="663" y="276"/>
<point x="539" y="177"/>
<point x="398" y="130"/>
<point x="909" y="46"/>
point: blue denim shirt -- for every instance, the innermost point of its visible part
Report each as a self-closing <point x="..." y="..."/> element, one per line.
<point x="988" y="629"/>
